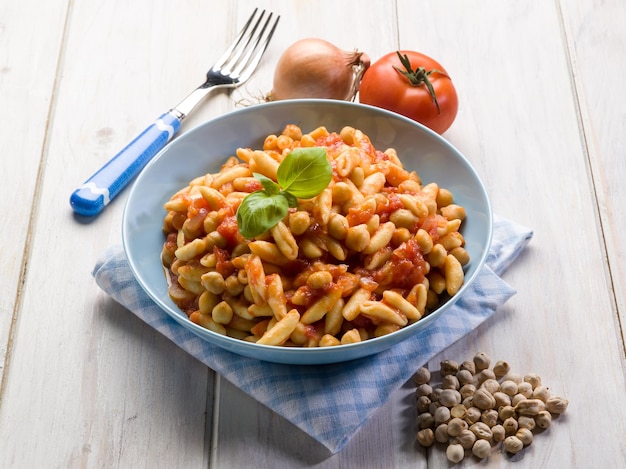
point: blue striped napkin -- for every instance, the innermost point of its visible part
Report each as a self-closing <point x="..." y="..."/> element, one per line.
<point x="332" y="402"/>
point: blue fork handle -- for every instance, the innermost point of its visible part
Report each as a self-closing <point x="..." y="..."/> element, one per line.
<point x="97" y="191"/>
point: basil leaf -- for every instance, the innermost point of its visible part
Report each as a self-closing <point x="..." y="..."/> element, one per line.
<point x="304" y="172"/>
<point x="291" y="199"/>
<point x="259" y="212"/>
<point x="270" y="186"/>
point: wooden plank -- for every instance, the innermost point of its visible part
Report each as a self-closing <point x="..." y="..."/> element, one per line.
<point x="25" y="96"/>
<point x="596" y="40"/>
<point x="98" y="387"/>
<point x="519" y="125"/>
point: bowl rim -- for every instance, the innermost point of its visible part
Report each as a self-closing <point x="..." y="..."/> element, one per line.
<point x="306" y="355"/>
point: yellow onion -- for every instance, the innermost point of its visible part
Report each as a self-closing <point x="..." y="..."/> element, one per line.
<point x="315" y="68"/>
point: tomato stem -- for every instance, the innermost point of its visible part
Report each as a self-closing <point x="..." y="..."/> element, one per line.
<point x="419" y="76"/>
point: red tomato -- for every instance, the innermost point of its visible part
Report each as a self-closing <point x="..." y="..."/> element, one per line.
<point x="414" y="85"/>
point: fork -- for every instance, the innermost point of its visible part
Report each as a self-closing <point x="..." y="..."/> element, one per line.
<point x="233" y="68"/>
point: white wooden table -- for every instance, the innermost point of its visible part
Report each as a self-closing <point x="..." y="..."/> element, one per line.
<point x="542" y="119"/>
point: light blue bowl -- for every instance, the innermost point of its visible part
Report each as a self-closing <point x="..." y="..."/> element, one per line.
<point x="204" y="149"/>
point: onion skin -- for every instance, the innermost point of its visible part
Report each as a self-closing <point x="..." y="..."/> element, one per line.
<point x="315" y="68"/>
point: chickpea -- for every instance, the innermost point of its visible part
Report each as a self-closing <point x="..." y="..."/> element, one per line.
<point x="450" y="397"/>
<point x="466" y="438"/>
<point x="484" y="375"/>
<point x="498" y="433"/>
<point x="467" y="390"/>
<point x="515" y="377"/>
<point x="455" y="453"/>
<point x="533" y="379"/>
<point x="543" y="419"/>
<point x="481" y="449"/>
<point x="472" y="415"/>
<point x="442" y="415"/>
<point x="490" y="385"/>
<point x="450" y="382"/>
<point x="458" y="411"/>
<point x="481" y="430"/>
<point x="489" y="417"/>
<point x="530" y="407"/>
<point x="441" y="433"/>
<point x="422" y="376"/>
<point x="525" y="421"/>
<point x="517" y="399"/>
<point x="506" y="412"/>
<point x="510" y="426"/>
<point x="501" y="368"/>
<point x="525" y="436"/>
<point x="456" y="426"/>
<point x="557" y="405"/>
<point x="483" y="399"/>
<point x="508" y="387"/>
<point x="469" y="366"/>
<point x="448" y="367"/>
<point x="423" y="404"/>
<point x="525" y="389"/>
<point x="513" y="444"/>
<point x="464" y="377"/>
<point x="541" y="393"/>
<point x="425" y="420"/>
<point x="481" y="361"/>
<point x="502" y="399"/>
<point x="426" y="437"/>
<point x="423" y="390"/>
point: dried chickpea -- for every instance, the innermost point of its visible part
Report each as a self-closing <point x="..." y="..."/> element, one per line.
<point x="489" y="417"/>
<point x="464" y="377"/>
<point x="502" y="399"/>
<point x="472" y="415"/>
<point x="441" y="415"/>
<point x="426" y="437"/>
<point x="515" y="377"/>
<point x="501" y="368"/>
<point x="467" y="390"/>
<point x="525" y="389"/>
<point x="483" y="399"/>
<point x="525" y="435"/>
<point x="490" y="385"/>
<point x="456" y="426"/>
<point x="481" y="430"/>
<point x="483" y="376"/>
<point x="458" y="411"/>
<point x="498" y="433"/>
<point x="466" y="438"/>
<point x="530" y="407"/>
<point x="450" y="397"/>
<point x="422" y="376"/>
<point x="450" y="382"/>
<point x="468" y="365"/>
<point x="533" y="379"/>
<point x="510" y="426"/>
<point x="508" y="387"/>
<point x="543" y="419"/>
<point x="481" y="449"/>
<point x="541" y="393"/>
<point x="425" y="420"/>
<point x="513" y="444"/>
<point x="506" y="412"/>
<point x="517" y="399"/>
<point x="455" y="453"/>
<point x="525" y="421"/>
<point x="441" y="433"/>
<point x="448" y="367"/>
<point x="557" y="405"/>
<point x="481" y="361"/>
<point x="423" y="390"/>
<point x="423" y="404"/>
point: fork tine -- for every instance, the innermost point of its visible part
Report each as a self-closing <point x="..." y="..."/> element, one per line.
<point x="228" y="52"/>
<point x="248" y="64"/>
